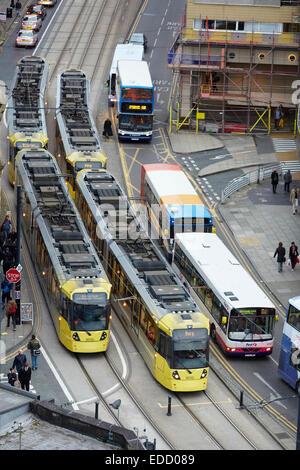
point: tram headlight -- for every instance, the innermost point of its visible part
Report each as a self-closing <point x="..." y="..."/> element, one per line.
<point x="175" y="375"/>
<point x="75" y="337"/>
<point x="204" y="373"/>
<point x="103" y="336"/>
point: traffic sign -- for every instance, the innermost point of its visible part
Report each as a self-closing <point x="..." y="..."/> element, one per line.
<point x="13" y="275"/>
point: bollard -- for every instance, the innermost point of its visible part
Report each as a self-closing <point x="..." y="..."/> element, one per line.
<point x="169" y="406"/>
<point x="96" y="409"/>
<point x="241" y="399"/>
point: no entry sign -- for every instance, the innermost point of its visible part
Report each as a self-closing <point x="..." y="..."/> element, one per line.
<point x="13" y="275"/>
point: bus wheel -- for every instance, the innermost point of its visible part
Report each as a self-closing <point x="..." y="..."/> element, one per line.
<point x="213" y="333"/>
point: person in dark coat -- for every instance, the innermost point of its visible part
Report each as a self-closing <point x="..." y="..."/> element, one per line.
<point x="287" y="181"/>
<point x="107" y="130"/>
<point x="7" y="260"/>
<point x="293" y="255"/>
<point x="274" y="180"/>
<point x="11" y="376"/>
<point x="19" y="361"/>
<point x="25" y="376"/>
<point x="280" y="252"/>
<point x="18" y="7"/>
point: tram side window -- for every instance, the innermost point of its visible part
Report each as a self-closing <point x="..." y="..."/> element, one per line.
<point x="165" y="347"/>
<point x="71" y="174"/>
<point x="151" y="331"/>
<point x="144" y="320"/>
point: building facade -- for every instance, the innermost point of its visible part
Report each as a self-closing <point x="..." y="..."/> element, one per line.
<point x="235" y="62"/>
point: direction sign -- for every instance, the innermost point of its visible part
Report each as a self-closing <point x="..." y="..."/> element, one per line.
<point x="13" y="275"/>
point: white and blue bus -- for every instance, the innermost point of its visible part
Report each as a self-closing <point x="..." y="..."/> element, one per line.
<point x="289" y="360"/>
<point x="240" y="314"/>
<point x="135" y="100"/>
<point x="122" y="52"/>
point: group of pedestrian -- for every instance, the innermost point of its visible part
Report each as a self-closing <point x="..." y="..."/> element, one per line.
<point x="281" y="258"/>
<point x="20" y="373"/>
<point x="8" y="245"/>
<point x="8" y="257"/>
<point x="294" y="193"/>
<point x="17" y="6"/>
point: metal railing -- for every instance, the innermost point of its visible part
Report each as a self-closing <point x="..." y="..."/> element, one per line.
<point x="258" y="176"/>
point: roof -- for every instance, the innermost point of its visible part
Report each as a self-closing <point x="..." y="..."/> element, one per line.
<point x="169" y="182"/>
<point x="222" y="271"/>
<point x="126" y="51"/>
<point x="295" y="301"/>
<point x="134" y="73"/>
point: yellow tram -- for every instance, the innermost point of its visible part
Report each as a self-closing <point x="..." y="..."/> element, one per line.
<point x="161" y="317"/>
<point x="72" y="278"/>
<point x="78" y="142"/>
<point x="26" y="109"/>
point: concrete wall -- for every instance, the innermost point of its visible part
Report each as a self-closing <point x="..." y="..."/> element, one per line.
<point x="106" y="432"/>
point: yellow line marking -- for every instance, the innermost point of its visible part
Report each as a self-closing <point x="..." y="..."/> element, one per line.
<point x="178" y="405"/>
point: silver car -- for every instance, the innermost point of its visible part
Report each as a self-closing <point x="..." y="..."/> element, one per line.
<point x="32" y="22"/>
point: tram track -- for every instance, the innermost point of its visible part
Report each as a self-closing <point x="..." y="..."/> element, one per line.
<point x="127" y="392"/>
<point x="85" y="51"/>
<point x="206" y="426"/>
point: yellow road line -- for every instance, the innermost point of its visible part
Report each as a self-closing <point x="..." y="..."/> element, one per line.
<point x="178" y="405"/>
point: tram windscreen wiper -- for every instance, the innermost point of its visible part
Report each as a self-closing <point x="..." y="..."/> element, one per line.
<point x="177" y="359"/>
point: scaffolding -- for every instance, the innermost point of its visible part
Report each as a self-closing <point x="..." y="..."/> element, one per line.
<point x="232" y="81"/>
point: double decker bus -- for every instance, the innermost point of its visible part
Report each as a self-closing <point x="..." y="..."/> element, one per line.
<point x="241" y="316"/>
<point x="173" y="206"/>
<point x="289" y="359"/>
<point x="135" y="98"/>
<point x="122" y="52"/>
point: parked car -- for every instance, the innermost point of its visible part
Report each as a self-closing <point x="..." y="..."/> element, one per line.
<point x="47" y="3"/>
<point x="139" y="38"/>
<point x="27" y="38"/>
<point x="32" y="22"/>
<point x="36" y="9"/>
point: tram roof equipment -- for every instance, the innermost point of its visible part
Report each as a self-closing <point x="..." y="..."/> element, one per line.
<point x="142" y="261"/>
<point x="25" y="105"/>
<point x="77" y="128"/>
<point x="68" y="244"/>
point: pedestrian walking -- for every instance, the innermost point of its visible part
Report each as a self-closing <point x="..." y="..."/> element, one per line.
<point x="274" y="180"/>
<point x="279" y="117"/>
<point x="24" y="376"/>
<point x="18" y="7"/>
<point x="8" y="260"/>
<point x="12" y="4"/>
<point x="295" y="198"/>
<point x="6" y="287"/>
<point x="287" y="181"/>
<point x="11" y="310"/>
<point x="34" y="348"/>
<point x="6" y="226"/>
<point x="280" y="252"/>
<point x="293" y="255"/>
<point x="19" y="361"/>
<point x="107" y="130"/>
<point x="11" y="376"/>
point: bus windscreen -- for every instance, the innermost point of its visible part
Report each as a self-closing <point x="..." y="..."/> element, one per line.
<point x="137" y="94"/>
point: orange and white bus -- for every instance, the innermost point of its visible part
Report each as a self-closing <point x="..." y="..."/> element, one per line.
<point x="173" y="205"/>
